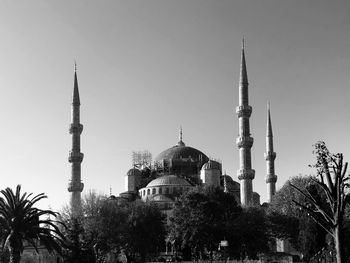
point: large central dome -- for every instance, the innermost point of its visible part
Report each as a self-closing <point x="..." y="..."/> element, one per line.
<point x="181" y="152"/>
<point x="182" y="160"/>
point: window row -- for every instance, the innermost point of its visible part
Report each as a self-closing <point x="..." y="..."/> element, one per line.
<point x="163" y="190"/>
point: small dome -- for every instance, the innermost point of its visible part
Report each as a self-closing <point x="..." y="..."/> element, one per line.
<point x="211" y="165"/>
<point x="133" y="172"/>
<point x="172" y="180"/>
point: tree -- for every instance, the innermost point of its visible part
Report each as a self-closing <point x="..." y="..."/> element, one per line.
<point x="20" y="221"/>
<point x="251" y="225"/>
<point x="136" y="228"/>
<point x="110" y="226"/>
<point x="82" y="232"/>
<point x="146" y="229"/>
<point x="77" y="248"/>
<point x="202" y="218"/>
<point x="288" y="222"/>
<point x="333" y="181"/>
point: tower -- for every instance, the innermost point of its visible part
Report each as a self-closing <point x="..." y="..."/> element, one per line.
<point x="75" y="186"/>
<point x="210" y="173"/>
<point x="270" y="157"/>
<point x="244" y="141"/>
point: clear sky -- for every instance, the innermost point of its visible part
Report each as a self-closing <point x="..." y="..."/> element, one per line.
<point x="146" y="67"/>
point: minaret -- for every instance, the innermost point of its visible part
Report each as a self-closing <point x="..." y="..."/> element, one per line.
<point x="270" y="157"/>
<point x="244" y="141"/>
<point x="75" y="186"/>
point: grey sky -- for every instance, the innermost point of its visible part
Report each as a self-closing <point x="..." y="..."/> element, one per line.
<point x="147" y="67"/>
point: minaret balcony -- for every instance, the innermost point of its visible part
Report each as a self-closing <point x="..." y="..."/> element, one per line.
<point x="270" y="156"/>
<point x="244" y="111"/>
<point x="75" y="187"/>
<point x="244" y="174"/>
<point x="271" y="178"/>
<point x="74" y="157"/>
<point x="244" y="141"/>
<point x="75" y="128"/>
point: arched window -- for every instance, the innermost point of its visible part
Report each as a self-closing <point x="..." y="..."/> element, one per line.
<point x="167" y="190"/>
<point x="153" y="191"/>
<point x="148" y="191"/>
<point x="160" y="190"/>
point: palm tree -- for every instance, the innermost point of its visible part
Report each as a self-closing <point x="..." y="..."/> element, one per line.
<point x="20" y="221"/>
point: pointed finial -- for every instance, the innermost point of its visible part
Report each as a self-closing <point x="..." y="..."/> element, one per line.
<point x="180" y="143"/>
<point x="110" y="190"/>
<point x="75" y="66"/>
<point x="243" y="42"/>
<point x="180" y="133"/>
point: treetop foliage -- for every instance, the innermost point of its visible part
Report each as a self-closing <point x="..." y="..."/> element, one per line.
<point x="21" y="221"/>
<point x="287" y="221"/>
<point x="329" y="207"/>
<point x="110" y="226"/>
<point x="206" y="215"/>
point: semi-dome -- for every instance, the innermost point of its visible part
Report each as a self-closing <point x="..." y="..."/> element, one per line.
<point x="169" y="180"/>
<point x="133" y="172"/>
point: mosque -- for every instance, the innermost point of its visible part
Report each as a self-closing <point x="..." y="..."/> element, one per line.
<point x="181" y="167"/>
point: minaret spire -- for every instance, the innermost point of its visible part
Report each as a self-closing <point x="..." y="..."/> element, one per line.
<point x="270" y="157"/>
<point x="268" y="125"/>
<point x="244" y="142"/>
<point x="243" y="71"/>
<point x="76" y="98"/>
<point x="75" y="186"/>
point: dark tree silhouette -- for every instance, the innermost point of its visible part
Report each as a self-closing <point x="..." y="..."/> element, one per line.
<point x="332" y="179"/>
<point x="288" y="222"/>
<point x="20" y="221"/>
<point x="202" y="218"/>
<point x="82" y="232"/>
